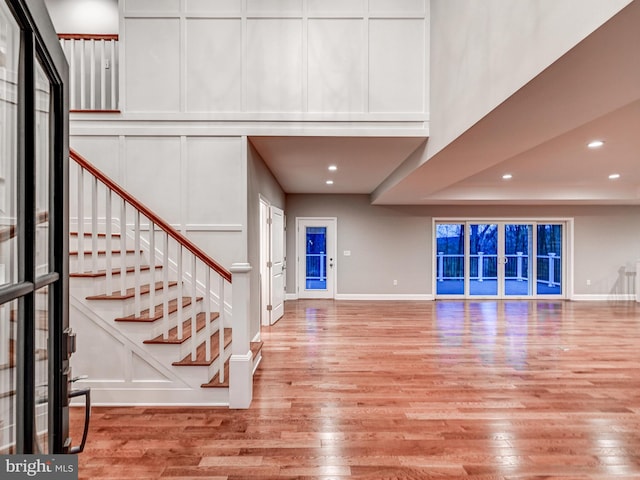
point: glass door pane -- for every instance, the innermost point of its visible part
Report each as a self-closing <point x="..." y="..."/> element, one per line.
<point x="316" y="258"/>
<point x="483" y="259"/>
<point x="517" y="251"/>
<point x="8" y="334"/>
<point x="450" y="259"/>
<point x="549" y="260"/>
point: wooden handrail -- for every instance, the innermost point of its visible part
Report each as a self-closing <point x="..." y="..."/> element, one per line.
<point x="172" y="232"/>
<point x="88" y="36"/>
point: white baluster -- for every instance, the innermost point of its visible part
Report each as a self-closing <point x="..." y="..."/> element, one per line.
<point x="165" y="287"/>
<point x="207" y="312"/>
<point x="83" y="87"/>
<point x="136" y="241"/>
<point x="94" y="225"/>
<point x="107" y="228"/>
<point x="194" y="311"/>
<point x="72" y="75"/>
<point x="179" y="300"/>
<point x="80" y="219"/>
<point x="221" y="324"/>
<point x="113" y="102"/>
<point x="92" y="74"/>
<point x="102" y="75"/>
<point x="152" y="267"/>
<point x="123" y="248"/>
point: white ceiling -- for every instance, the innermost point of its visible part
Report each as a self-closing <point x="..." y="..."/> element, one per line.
<point x="539" y="135"/>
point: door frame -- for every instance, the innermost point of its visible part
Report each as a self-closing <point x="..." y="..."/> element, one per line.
<point x="567" y="247"/>
<point x="332" y="250"/>
<point x="267" y="314"/>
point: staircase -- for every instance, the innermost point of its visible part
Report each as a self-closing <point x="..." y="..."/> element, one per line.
<point x="155" y="316"/>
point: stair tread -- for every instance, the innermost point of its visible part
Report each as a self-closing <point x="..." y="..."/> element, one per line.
<point x="115" y="271"/>
<point x="144" y="314"/>
<point x="89" y="234"/>
<point x="201" y="351"/>
<point x="172" y="338"/>
<point x="131" y="292"/>
<point x="214" y="383"/>
<point x="104" y="252"/>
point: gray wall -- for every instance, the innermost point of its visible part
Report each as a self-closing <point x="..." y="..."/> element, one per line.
<point x="394" y="242"/>
<point x="260" y="182"/>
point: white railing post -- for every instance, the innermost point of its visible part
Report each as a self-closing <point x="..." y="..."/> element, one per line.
<point x="440" y="266"/>
<point x="638" y="281"/>
<point x="552" y="266"/>
<point x="519" y="266"/>
<point x="480" y="266"/>
<point x="80" y="219"/>
<point x="241" y="362"/>
<point x="221" y="324"/>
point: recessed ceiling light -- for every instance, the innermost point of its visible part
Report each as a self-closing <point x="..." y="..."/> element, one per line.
<point x="595" y="144"/>
<point x="329" y="182"/>
<point x="614" y="176"/>
<point x="507" y="176"/>
<point x="332" y="168"/>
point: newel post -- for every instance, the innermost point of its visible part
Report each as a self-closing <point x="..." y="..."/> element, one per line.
<point x="241" y="362"/>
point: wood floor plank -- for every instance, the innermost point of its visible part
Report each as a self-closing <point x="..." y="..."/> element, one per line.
<point x="475" y="390"/>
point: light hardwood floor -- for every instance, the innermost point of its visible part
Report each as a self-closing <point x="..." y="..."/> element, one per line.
<point x="407" y="390"/>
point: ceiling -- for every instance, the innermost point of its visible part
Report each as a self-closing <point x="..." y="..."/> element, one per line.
<point x="539" y="136"/>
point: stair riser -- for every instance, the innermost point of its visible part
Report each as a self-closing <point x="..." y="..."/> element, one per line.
<point x="74" y="243"/>
<point x="193" y="375"/>
<point x="101" y="262"/>
<point x="98" y="285"/>
<point x="179" y="351"/>
<point x="149" y="330"/>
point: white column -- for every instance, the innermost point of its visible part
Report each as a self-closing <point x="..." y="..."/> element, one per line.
<point x="241" y="362"/>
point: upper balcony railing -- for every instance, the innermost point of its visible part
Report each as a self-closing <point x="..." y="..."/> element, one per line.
<point x="93" y="71"/>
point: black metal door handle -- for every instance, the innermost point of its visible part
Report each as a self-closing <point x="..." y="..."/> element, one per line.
<point x="86" y="392"/>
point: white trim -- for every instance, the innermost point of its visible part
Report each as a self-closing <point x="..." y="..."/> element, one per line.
<point x="385" y="296"/>
<point x="291" y="296"/>
<point x="605" y="297"/>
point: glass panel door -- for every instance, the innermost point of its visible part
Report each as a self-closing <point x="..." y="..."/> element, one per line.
<point x="483" y="259"/>
<point x="450" y="258"/>
<point x="316" y="258"/>
<point x="549" y="259"/>
<point x="517" y="252"/>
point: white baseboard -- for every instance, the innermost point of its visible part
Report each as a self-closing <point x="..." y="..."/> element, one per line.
<point x="617" y="297"/>
<point x="384" y="296"/>
<point x="291" y="296"/>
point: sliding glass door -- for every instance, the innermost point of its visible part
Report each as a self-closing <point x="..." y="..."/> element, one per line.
<point x="495" y="259"/>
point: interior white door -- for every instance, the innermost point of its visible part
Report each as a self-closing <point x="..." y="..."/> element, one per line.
<point x="277" y="264"/>
<point x="316" y="257"/>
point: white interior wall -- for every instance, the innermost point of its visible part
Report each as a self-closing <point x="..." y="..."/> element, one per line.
<point x="179" y="178"/>
<point x="84" y="16"/>
<point x="395" y="242"/>
<point x="277" y="58"/>
<point x="483" y="52"/>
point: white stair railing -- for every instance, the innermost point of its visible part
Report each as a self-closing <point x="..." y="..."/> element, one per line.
<point x="193" y="282"/>
<point x="93" y="70"/>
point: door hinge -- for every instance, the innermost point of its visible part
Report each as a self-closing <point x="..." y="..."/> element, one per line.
<point x="269" y="264"/>
<point x="269" y="221"/>
<point x="269" y="308"/>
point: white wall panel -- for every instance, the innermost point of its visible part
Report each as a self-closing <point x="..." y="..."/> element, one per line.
<point x="152" y="68"/>
<point x="153" y="174"/>
<point x="397" y="65"/>
<point x="213" y="65"/>
<point x="274" y="65"/>
<point x="152" y="5"/>
<point x="218" y="7"/>
<point x="274" y="7"/>
<point x="214" y="178"/>
<point x="103" y="152"/>
<point x="336" y="82"/>
<point x="335" y="8"/>
<point x="396" y="7"/>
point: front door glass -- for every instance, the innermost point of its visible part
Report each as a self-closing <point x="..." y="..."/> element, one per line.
<point x="316" y="258"/>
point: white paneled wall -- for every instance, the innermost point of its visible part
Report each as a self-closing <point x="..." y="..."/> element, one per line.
<point x="197" y="184"/>
<point x="276" y="57"/>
